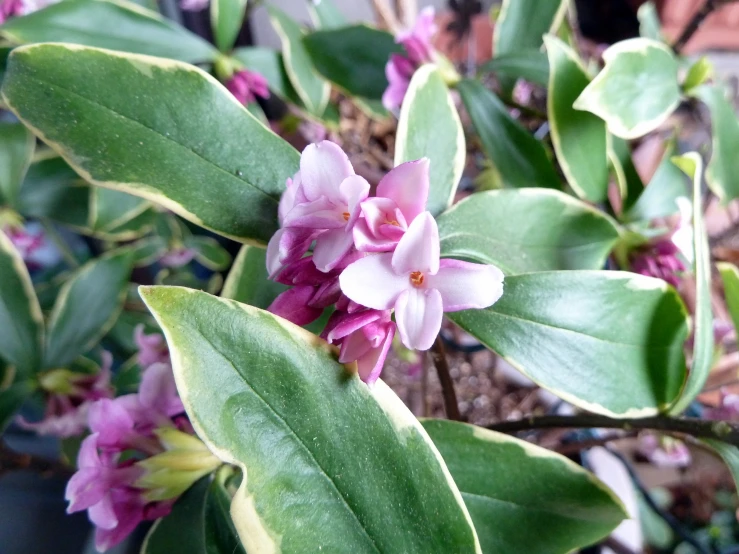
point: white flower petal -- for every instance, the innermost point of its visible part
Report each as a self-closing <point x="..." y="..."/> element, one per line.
<point x="418" y="314"/>
<point x="372" y="282"/>
<point x="418" y="250"/>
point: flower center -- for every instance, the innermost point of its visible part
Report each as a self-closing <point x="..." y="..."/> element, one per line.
<point x="416" y="278"/>
<point x="346" y="215"/>
<point x="392" y="222"/>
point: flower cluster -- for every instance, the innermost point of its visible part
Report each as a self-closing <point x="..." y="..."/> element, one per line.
<point x="141" y="453"/>
<point x="659" y="259"/>
<point x="246" y="85"/>
<point x="69" y="397"/>
<point x="419" y="50"/>
<point x="370" y="256"/>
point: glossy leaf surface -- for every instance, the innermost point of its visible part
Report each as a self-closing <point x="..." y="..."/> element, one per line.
<point x="510" y="485"/>
<point x="608" y="342"/>
<point x="527" y="230"/>
<point x="184" y="132"/>
<point x="113" y="24"/>
<point x="270" y="397"/>
<point x="429" y="127"/>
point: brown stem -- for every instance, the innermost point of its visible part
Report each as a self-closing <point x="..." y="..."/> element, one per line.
<point x="14" y="461"/>
<point x="438" y="356"/>
<point x="573" y="447"/>
<point x="719" y="430"/>
<point x="696" y="21"/>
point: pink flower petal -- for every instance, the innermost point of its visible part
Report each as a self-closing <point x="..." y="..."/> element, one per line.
<point x="345" y="324"/>
<point x="372" y="282"/>
<point x="418" y="250"/>
<point x="112" y="421"/>
<point x="321" y="213"/>
<point x="331" y="247"/>
<point x="408" y="185"/>
<point x="293" y="305"/>
<point x="369" y="366"/>
<point x="367" y="241"/>
<point x="465" y="286"/>
<point x="418" y="314"/>
<point x="287" y="246"/>
<point x="288" y="198"/>
<point x="354" y="190"/>
<point x="323" y="167"/>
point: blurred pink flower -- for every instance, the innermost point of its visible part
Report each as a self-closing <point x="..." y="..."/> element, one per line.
<point x="418" y="51"/>
<point x="727" y="410"/>
<point x="246" y="85"/>
<point x="68" y="404"/>
<point x="659" y="259"/>
<point x="152" y="348"/>
<point x="664" y="451"/>
<point x="193" y="5"/>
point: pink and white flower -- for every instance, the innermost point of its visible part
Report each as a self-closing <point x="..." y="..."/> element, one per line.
<point x="321" y="204"/>
<point x="401" y="196"/>
<point x="418" y="285"/>
<point x="370" y="256"/>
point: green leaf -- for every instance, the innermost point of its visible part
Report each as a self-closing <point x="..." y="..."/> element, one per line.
<point x="109" y="209"/>
<point x="53" y="190"/>
<point x="164" y="135"/>
<point x="429" y="127"/>
<point x="692" y="165"/>
<point x="220" y="532"/>
<point x="649" y="25"/>
<point x="722" y="174"/>
<point x="226" y="19"/>
<point x="636" y="91"/>
<point x="730" y="278"/>
<point x="113" y="24"/>
<point x="531" y="65"/>
<point x="312" y="89"/>
<point x="729" y="454"/>
<point x="353" y="58"/>
<point x="270" y="65"/>
<point x="16" y="150"/>
<point x="629" y="182"/>
<point x="198" y="524"/>
<point x="326" y="15"/>
<point x="606" y="341"/>
<point x="699" y="73"/>
<point x="209" y="252"/>
<point x="579" y="138"/>
<point x="520" y="159"/>
<point x="522" y="24"/>
<point x="659" y="198"/>
<point x="248" y="281"/>
<point x="503" y="479"/>
<point x="21" y="320"/>
<point x="271" y="398"/>
<point x="523" y="231"/>
<point x="87" y="307"/>
<point x="4" y="53"/>
<point x="11" y="400"/>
